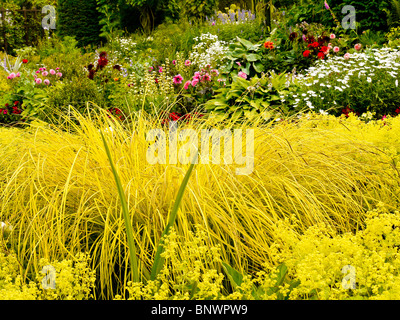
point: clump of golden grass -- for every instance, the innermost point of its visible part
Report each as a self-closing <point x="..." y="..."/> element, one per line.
<point x="58" y="192"/>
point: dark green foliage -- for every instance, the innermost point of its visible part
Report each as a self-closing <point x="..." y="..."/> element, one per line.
<point x="369" y="14"/>
<point x="79" y="19"/>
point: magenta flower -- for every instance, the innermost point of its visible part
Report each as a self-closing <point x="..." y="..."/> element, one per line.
<point x="206" y="78"/>
<point x="187" y="63"/>
<point x="41" y="69"/>
<point x="178" y="79"/>
<point x="174" y="62"/>
<point x="242" y="75"/>
<point x="160" y="70"/>
<point x="326" y="5"/>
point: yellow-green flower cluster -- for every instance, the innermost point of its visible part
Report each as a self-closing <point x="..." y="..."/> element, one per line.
<point x="318" y="257"/>
<point x="74" y="280"/>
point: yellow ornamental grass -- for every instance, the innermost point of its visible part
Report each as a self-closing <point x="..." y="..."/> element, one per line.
<point x="58" y="192"/>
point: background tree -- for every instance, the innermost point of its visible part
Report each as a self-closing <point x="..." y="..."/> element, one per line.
<point x="79" y="19"/>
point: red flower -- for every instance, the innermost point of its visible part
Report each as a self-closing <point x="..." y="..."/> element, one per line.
<point x="321" y="55"/>
<point x="397" y="110"/>
<point x="25" y="61"/>
<point x="306" y="53"/>
<point x="324" y="49"/>
<point x="269" y="45"/>
<point x="315" y="44"/>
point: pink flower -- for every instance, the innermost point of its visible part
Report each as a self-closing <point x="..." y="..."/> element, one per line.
<point x="332" y="36"/>
<point x="195" y="81"/>
<point x="38" y="72"/>
<point x="46" y="82"/>
<point x="347" y="56"/>
<point x="178" y="79"/>
<point x="52" y="72"/>
<point x="215" y="72"/>
<point x="38" y="81"/>
<point x="57" y="68"/>
<point x="336" y="49"/>
<point x="59" y="74"/>
<point x="12" y="75"/>
<point x="187" y="84"/>
<point x="41" y="69"/>
<point x="160" y="70"/>
<point x="187" y="63"/>
<point x="242" y="75"/>
<point x="5" y="111"/>
<point x="384" y="118"/>
<point x="358" y="46"/>
<point x="45" y="73"/>
<point x="174" y="62"/>
<point x="18" y="75"/>
<point x="239" y="64"/>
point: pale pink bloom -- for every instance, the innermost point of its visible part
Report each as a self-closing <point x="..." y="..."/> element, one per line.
<point x="242" y="75"/>
<point x="45" y="73"/>
<point x="332" y="36"/>
<point x="195" y="81"/>
<point x="347" y="56"/>
<point x="46" y="82"/>
<point x="38" y="81"/>
<point x="18" y="74"/>
<point x="336" y="49"/>
<point x="160" y="70"/>
<point x="52" y="72"/>
<point x="187" y="63"/>
<point x="215" y="72"/>
<point x="59" y="74"/>
<point x="358" y="46"/>
<point x="239" y="64"/>
<point x="12" y="75"/>
<point x="41" y="69"/>
<point x="187" y="84"/>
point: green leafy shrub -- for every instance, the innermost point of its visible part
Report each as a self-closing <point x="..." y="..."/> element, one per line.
<point x="76" y="92"/>
<point x="244" y="55"/>
<point x="257" y="98"/>
<point x="197" y="10"/>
